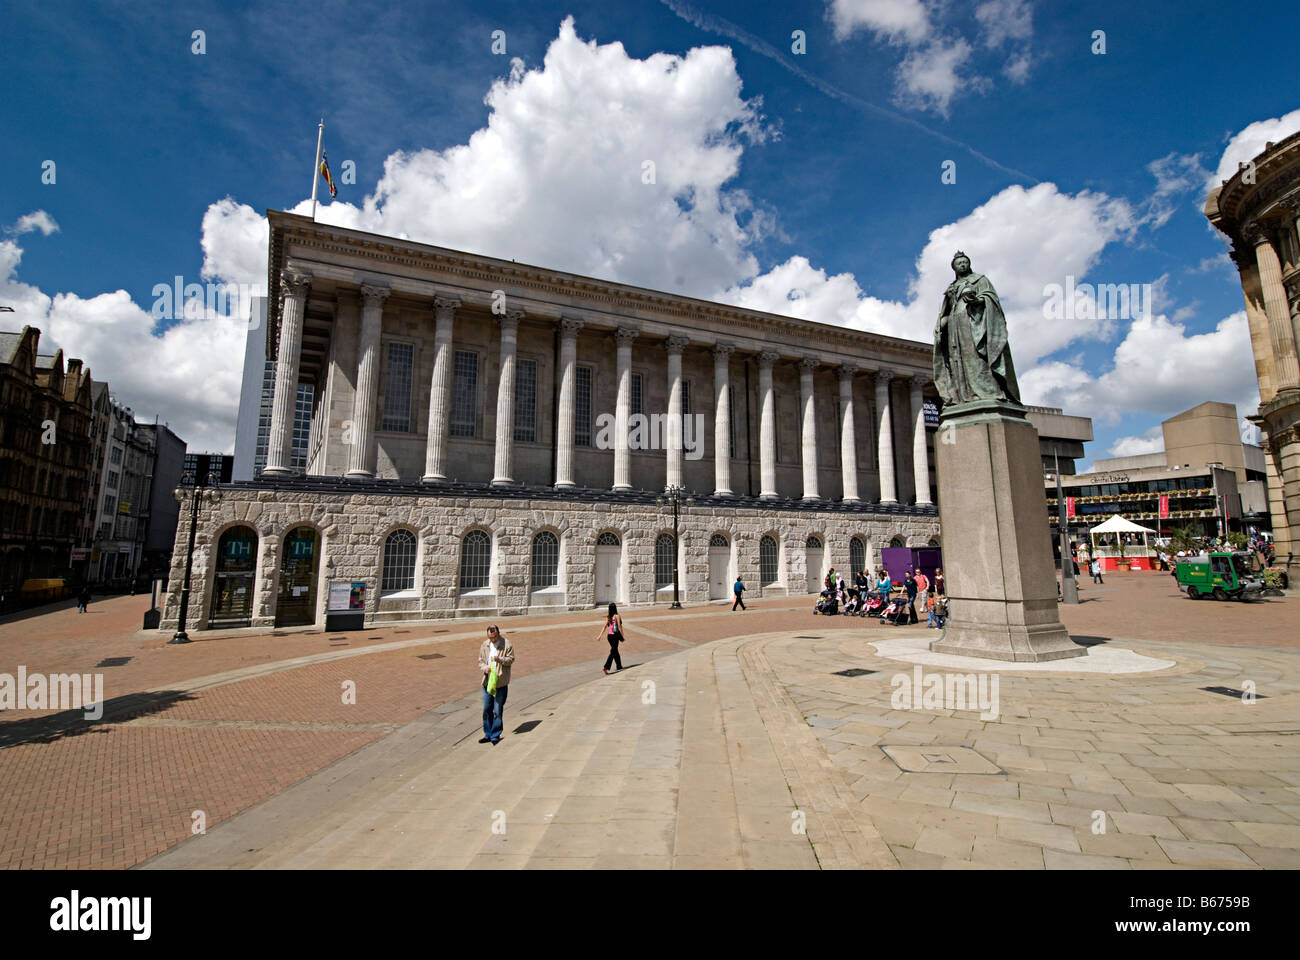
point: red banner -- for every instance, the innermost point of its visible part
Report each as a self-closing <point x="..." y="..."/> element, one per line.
<point x="1164" y="508"/>
<point x="1069" y="506"/>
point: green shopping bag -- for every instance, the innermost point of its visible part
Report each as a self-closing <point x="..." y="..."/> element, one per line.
<point x="493" y="675"/>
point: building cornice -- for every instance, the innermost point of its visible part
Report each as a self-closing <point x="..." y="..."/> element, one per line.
<point x="608" y="302"/>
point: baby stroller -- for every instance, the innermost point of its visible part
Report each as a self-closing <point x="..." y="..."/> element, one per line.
<point x="829" y="604"/>
<point x="896" y="612"/>
<point x="853" y="606"/>
<point x="874" y="606"/>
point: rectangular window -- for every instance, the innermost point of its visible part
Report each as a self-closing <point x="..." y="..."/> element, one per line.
<point x="397" y="388"/>
<point x="525" y="401"/>
<point x="109" y="503"/>
<point x="686" y="398"/>
<point x="731" y="394"/>
<point x="464" y="394"/>
<point x="301" y="430"/>
<point x="115" y="457"/>
<point x="112" y="478"/>
<point x="582" y="408"/>
<point x="636" y="394"/>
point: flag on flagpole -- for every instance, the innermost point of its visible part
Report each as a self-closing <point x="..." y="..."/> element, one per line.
<point x="325" y="172"/>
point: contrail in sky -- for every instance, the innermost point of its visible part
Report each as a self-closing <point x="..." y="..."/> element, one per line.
<point x="714" y="24"/>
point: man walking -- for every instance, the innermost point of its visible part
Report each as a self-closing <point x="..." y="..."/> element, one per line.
<point x="1095" y="569"/>
<point x="495" y="657"/>
<point x="83" y="599"/>
<point x="909" y="584"/>
<point x="922" y="588"/>
<point x="738" y="588"/>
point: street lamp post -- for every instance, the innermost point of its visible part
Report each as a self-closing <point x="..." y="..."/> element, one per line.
<point x="1069" y="589"/>
<point x="190" y="480"/>
<point x="674" y="494"/>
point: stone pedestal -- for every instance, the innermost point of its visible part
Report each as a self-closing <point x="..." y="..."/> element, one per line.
<point x="997" y="553"/>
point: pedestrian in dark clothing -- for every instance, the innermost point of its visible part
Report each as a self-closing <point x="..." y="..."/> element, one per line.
<point x="909" y="584"/>
<point x="83" y="599"/>
<point x="938" y="581"/>
<point x="738" y="588"/>
<point x="613" y="631"/>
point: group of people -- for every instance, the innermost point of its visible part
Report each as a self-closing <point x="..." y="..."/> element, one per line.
<point x="874" y="596"/>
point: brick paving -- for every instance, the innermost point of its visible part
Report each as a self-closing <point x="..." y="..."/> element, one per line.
<point x="116" y="793"/>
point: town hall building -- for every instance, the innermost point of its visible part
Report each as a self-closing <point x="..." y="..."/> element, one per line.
<point x="489" y="437"/>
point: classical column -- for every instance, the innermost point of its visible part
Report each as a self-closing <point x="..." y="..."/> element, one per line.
<point x="1281" y="331"/>
<point x="722" y="419"/>
<point x="623" y="336"/>
<point x="673" y="432"/>
<point x="920" y="455"/>
<point x="885" y="434"/>
<point x="568" y="384"/>
<point x="435" y="451"/>
<point x="505" y="446"/>
<point x="808" y="408"/>
<point x="767" y="425"/>
<point x="279" y="450"/>
<point x="848" y="434"/>
<point x="361" y="455"/>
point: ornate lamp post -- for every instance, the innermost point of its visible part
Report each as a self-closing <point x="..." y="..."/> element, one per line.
<point x="190" y="480"/>
<point x="675" y="494"/>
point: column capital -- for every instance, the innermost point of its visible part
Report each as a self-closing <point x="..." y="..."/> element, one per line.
<point x="809" y="364"/>
<point x="294" y="282"/>
<point x="918" y="380"/>
<point x="1255" y="233"/>
<point x="624" y="335"/>
<point x="883" y="377"/>
<point x="1292" y="203"/>
<point x="444" y="304"/>
<point x="510" y="320"/>
<point x="373" y="294"/>
<point x="569" y="326"/>
<point x="723" y="351"/>
<point x="847" y="371"/>
<point x="676" y="343"/>
<point x="767" y="358"/>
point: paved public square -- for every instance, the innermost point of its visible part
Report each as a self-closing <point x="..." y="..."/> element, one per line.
<point x="732" y="740"/>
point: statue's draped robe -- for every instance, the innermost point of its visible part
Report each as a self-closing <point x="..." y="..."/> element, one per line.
<point x="972" y="360"/>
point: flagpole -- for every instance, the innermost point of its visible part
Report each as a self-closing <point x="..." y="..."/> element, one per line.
<point x="315" y="170"/>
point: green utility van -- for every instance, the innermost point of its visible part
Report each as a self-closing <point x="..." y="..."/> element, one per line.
<point x="1218" y="575"/>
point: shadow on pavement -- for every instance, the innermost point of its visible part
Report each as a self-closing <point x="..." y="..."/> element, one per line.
<point x="73" y="723"/>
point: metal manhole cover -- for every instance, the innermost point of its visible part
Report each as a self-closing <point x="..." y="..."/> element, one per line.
<point x="431" y="656"/>
<point x="114" y="662"/>
<point x="936" y="758"/>
<point x="1229" y="692"/>
<point x="854" y="672"/>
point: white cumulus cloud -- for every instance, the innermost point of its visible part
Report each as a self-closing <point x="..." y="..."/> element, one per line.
<point x="1249" y="143"/>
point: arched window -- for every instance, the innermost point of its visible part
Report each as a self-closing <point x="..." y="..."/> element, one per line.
<point x="475" y="560"/>
<point x="767" y="561"/>
<point x="857" y="555"/>
<point x="546" y="561"/>
<point x="813" y="543"/>
<point x="665" y="556"/>
<point x="607" y="540"/>
<point x="399" y="562"/>
<point x="718" y="540"/>
<point x="897" y="542"/>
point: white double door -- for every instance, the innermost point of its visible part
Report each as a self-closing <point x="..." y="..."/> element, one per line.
<point x="719" y="573"/>
<point x="609" y="573"/>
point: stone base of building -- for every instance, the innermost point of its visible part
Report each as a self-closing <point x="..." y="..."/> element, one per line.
<point x="998" y="567"/>
<point x="295" y="538"/>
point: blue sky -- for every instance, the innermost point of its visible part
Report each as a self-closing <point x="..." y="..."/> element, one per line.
<point x="807" y="183"/>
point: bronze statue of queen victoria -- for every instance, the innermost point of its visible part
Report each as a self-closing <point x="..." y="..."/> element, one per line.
<point x="972" y="358"/>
